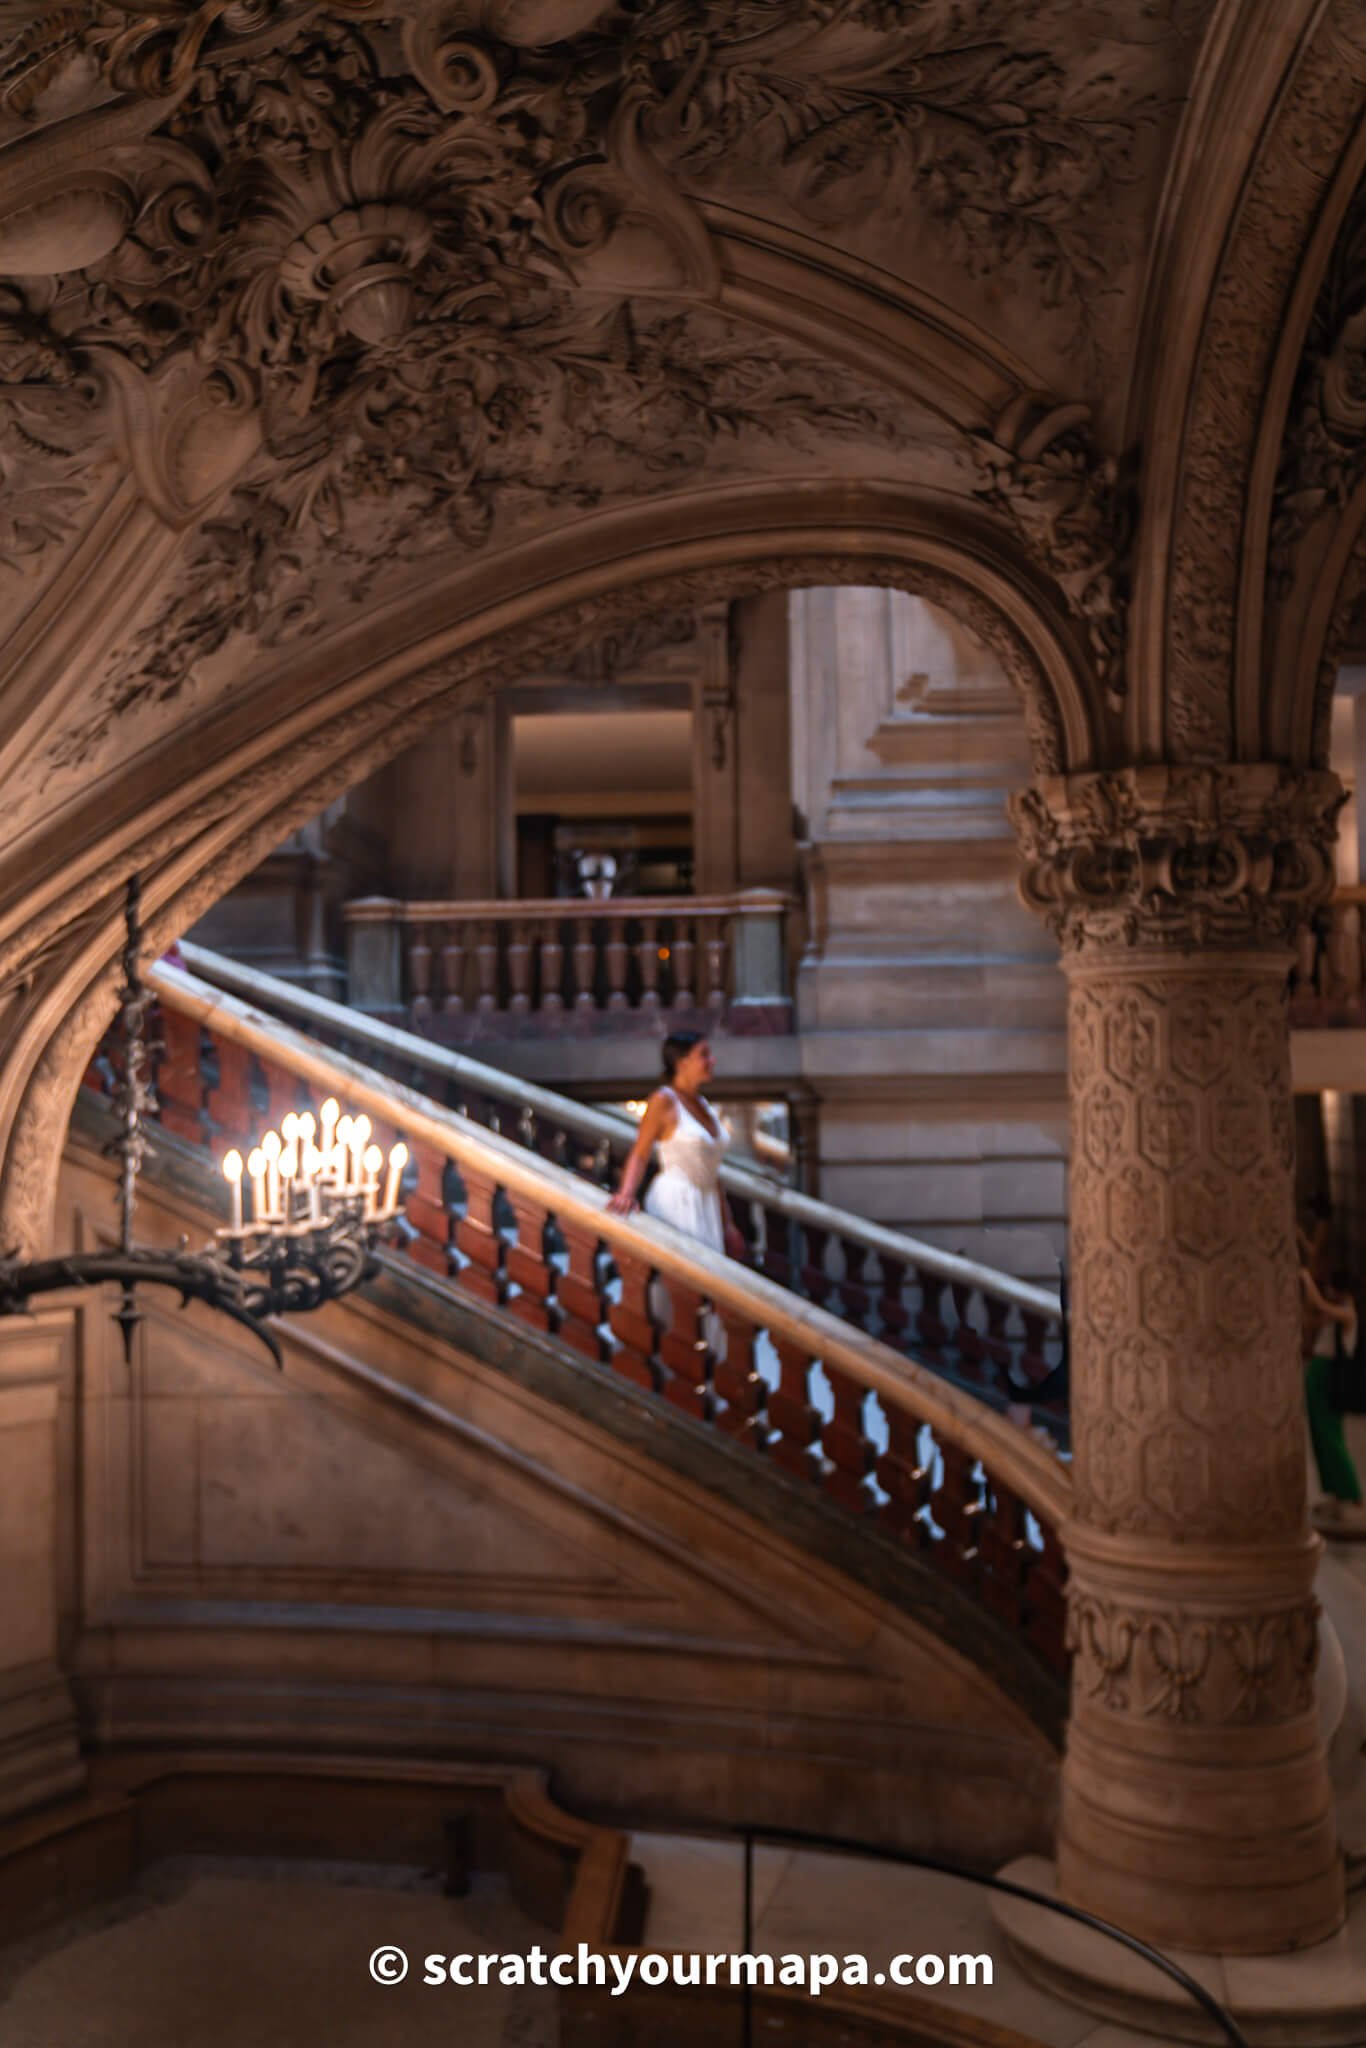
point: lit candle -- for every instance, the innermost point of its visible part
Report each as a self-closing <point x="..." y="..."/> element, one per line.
<point x="289" y="1166"/>
<point x="360" y="1135"/>
<point x="232" y="1172"/>
<point x="398" y="1159"/>
<point x="271" y="1149"/>
<point x="374" y="1159"/>
<point x="342" y="1167"/>
<point x="330" y="1111"/>
<point x="305" y="1127"/>
<point x="256" y="1167"/>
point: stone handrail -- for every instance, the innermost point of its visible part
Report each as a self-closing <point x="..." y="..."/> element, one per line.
<point x="980" y="1499"/>
<point x="987" y="1331"/>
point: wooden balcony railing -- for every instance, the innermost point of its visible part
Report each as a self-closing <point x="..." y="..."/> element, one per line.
<point x="992" y="1335"/>
<point x="469" y="970"/>
<point x="1328" y="986"/>
<point x="978" y="1500"/>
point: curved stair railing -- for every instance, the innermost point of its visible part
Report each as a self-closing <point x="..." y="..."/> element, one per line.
<point x="928" y="1465"/>
<point x="996" y="1337"/>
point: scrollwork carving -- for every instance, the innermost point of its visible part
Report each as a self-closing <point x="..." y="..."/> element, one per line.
<point x="1179" y="857"/>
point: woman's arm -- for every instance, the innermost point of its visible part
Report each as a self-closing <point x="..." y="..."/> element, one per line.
<point x="1336" y="1312"/>
<point x="654" y="1125"/>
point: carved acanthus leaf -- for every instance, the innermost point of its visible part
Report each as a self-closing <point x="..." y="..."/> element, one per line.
<point x="1323" y="456"/>
<point x="1178" y="856"/>
<point x="1073" y="511"/>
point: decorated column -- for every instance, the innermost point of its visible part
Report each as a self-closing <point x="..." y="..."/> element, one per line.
<point x="1196" y="1808"/>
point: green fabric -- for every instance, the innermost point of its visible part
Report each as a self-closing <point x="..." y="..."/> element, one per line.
<point x="1337" y="1471"/>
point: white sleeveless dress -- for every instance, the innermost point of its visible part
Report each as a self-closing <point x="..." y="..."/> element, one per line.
<point x="686" y="1191"/>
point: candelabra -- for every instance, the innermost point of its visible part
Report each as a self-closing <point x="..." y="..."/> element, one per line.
<point x="316" y="1210"/>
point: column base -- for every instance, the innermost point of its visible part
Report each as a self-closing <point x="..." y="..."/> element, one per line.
<point x="1312" y="1998"/>
<point x="40" y="1751"/>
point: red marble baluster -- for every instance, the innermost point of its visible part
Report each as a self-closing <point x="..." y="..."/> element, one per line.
<point x="903" y="1477"/>
<point x="428" y="1210"/>
<point x="478" y="1237"/>
<point x="579" y="1290"/>
<point x="815" y="1281"/>
<point x="528" y="1269"/>
<point x="893" y="1314"/>
<point x="737" y="1382"/>
<point x="845" y="1444"/>
<point x="1004" y="1555"/>
<point x="1046" y="1601"/>
<point x="179" y="1080"/>
<point x="683" y="1351"/>
<point x="791" y="1411"/>
<point x="956" y="1504"/>
<point x="632" y="1323"/>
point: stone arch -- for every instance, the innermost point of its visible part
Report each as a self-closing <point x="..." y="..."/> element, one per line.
<point x="61" y="989"/>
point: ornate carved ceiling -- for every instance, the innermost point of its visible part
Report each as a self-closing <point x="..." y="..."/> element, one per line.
<point x="303" y="306"/>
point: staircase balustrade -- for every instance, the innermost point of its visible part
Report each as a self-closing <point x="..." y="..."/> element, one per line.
<point x="486" y="969"/>
<point x="1000" y="1338"/>
<point x="878" y="1435"/>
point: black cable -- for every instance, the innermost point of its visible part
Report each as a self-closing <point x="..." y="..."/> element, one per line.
<point x="801" y="1836"/>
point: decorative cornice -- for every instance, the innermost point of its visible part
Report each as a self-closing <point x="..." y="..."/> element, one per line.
<point x="1178" y="857"/>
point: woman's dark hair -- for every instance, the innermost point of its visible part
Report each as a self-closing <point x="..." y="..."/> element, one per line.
<point x="676" y="1048"/>
<point x="1320" y="1208"/>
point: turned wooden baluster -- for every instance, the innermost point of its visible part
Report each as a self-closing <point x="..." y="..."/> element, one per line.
<point x="453" y="970"/>
<point x="579" y="1290"/>
<point x="815" y="1281"/>
<point x="647" y="962"/>
<point x="531" y="1277"/>
<point x="178" y="1077"/>
<point x="1004" y="1553"/>
<point x="552" y="966"/>
<point x="486" y="968"/>
<point x="632" y="1322"/>
<point x="904" y="1478"/>
<point x="618" y="956"/>
<point x="684" y="1353"/>
<point x="230" y="1101"/>
<point x="419" y="975"/>
<point x="519" y="968"/>
<point x="681" y="960"/>
<point x="792" y="1412"/>
<point x="854" y="1299"/>
<point x="845" y="1443"/>
<point x="714" y="963"/>
<point x="585" y="964"/>
<point x="957" y="1506"/>
<point x="479" y="1238"/>
<point x="431" y="1206"/>
<point x="738" y="1384"/>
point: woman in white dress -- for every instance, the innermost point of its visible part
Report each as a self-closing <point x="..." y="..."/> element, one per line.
<point x="691" y="1140"/>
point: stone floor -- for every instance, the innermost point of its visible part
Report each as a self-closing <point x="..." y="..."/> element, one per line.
<point x="236" y="1954"/>
<point x="806" y="1903"/>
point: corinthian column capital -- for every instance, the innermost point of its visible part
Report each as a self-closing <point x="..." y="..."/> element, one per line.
<point x="1177" y="858"/>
